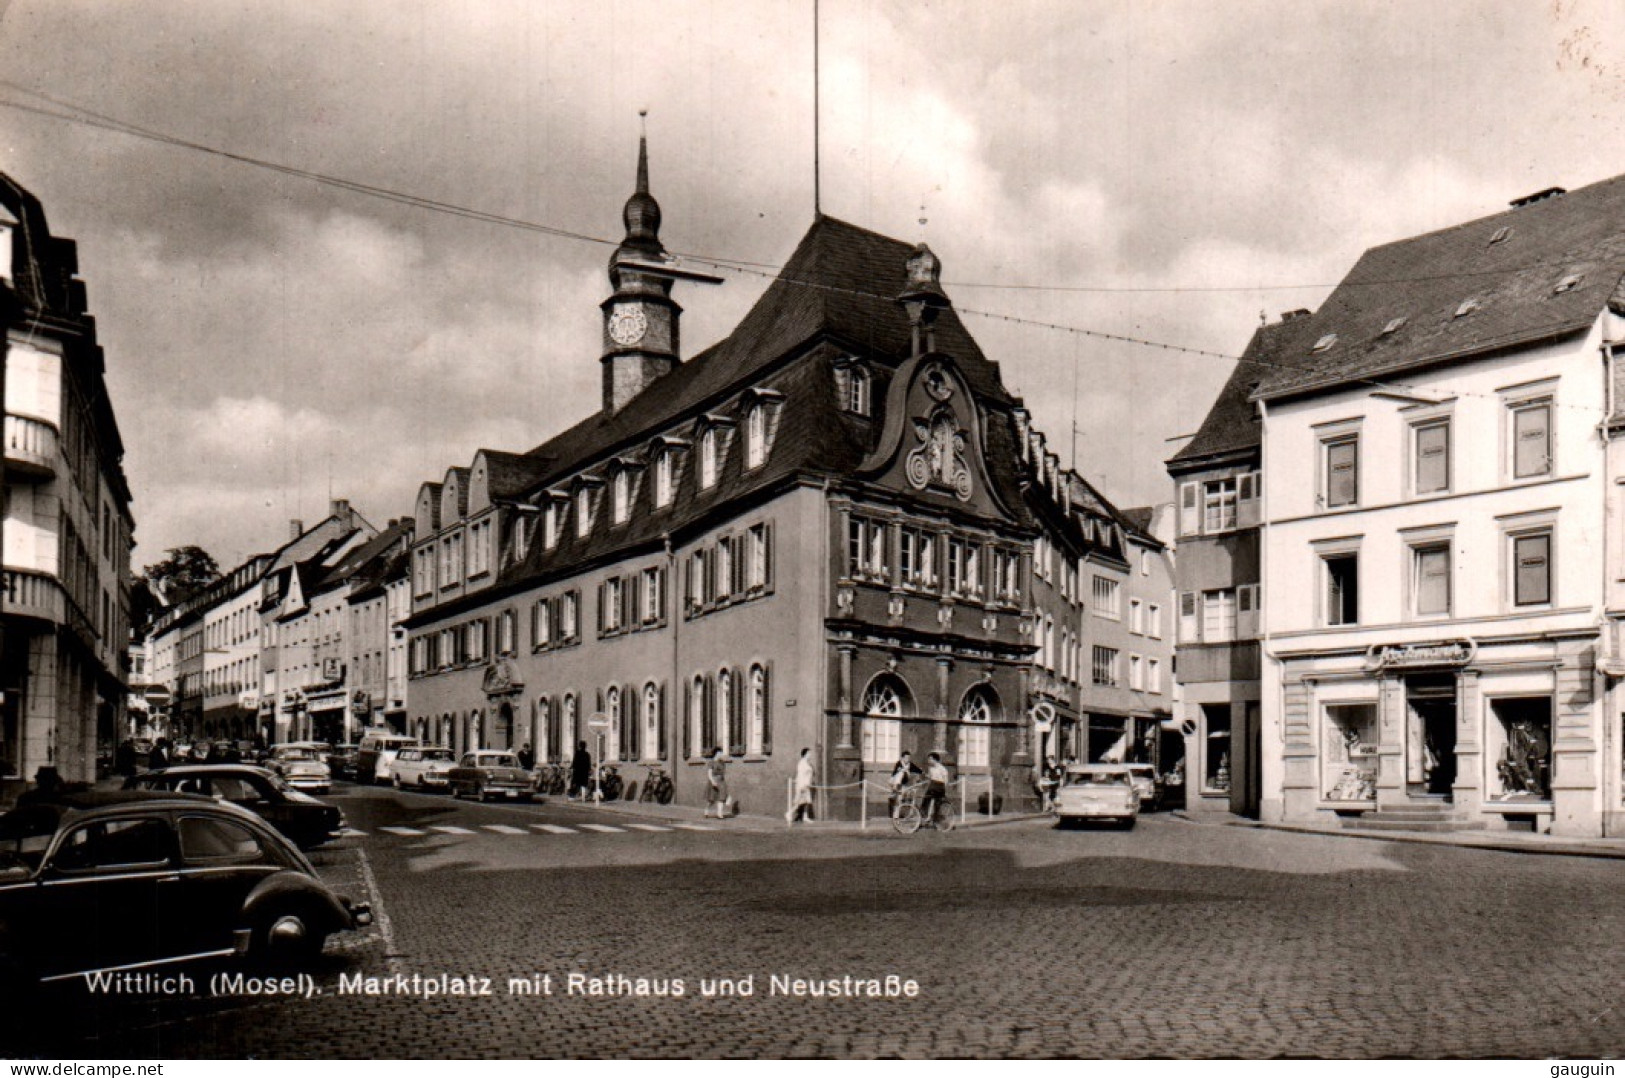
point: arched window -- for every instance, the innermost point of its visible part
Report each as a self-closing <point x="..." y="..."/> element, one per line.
<point x="884" y="704"/>
<point x="547" y="738"/>
<point x="621" y="499"/>
<point x="976" y="713"/>
<point x="759" y="721"/>
<point x="615" y="749"/>
<point x="476" y="734"/>
<point x="708" y="458"/>
<point x="858" y="394"/>
<point x="571" y="734"/>
<point x="729" y="721"/>
<point x="756" y="437"/>
<point x="703" y="720"/>
<point x="654" y="733"/>
<point x="583" y="511"/>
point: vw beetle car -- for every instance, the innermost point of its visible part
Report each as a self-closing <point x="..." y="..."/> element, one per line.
<point x="190" y="879"/>
<point x="422" y="769"/>
<point x="1097" y="792"/>
<point x="488" y="773"/>
<point x="303" y="819"/>
<point x="303" y="766"/>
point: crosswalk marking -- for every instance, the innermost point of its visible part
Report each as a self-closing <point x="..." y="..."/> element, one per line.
<point x="693" y="827"/>
<point x="604" y="827"/>
<point x="554" y="828"/>
<point x="402" y="830"/>
<point x="647" y="827"/>
<point x="350" y="832"/>
<point x="504" y="829"/>
<point x="449" y="829"/>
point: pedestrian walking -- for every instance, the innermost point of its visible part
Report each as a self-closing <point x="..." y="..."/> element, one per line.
<point x="801" y="804"/>
<point x="716" y="775"/>
<point x="527" y="758"/>
<point x="580" y="771"/>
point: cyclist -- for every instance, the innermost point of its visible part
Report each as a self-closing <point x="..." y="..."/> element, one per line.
<point x="902" y="773"/>
<point x="936" y="790"/>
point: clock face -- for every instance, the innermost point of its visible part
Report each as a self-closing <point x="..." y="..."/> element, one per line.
<point x="627" y="325"/>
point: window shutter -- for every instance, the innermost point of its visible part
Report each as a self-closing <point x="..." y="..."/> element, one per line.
<point x="629" y="601"/>
<point x="740" y="551"/>
<point x="767" y="554"/>
<point x="660" y="593"/>
<point x="1248" y="495"/>
<point x="660" y="722"/>
<point x="767" y="711"/>
<point x="1190" y="509"/>
<point x="1188" y="623"/>
<point x="688" y="721"/>
<point x="688" y="582"/>
<point x="1247" y="610"/>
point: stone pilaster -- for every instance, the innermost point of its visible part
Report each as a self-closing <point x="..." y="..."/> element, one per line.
<point x="1468" y="790"/>
<point x="1576" y="741"/>
<point x="1393" y="725"/>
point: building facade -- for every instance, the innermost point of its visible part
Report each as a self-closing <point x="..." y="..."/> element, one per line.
<point x="810" y="535"/>
<point x="1441" y="550"/>
<point x="68" y="528"/>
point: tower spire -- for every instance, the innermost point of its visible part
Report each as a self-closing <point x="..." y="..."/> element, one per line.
<point x="643" y="152"/>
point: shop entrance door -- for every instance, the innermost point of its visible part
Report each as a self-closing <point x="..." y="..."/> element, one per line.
<point x="1430" y="752"/>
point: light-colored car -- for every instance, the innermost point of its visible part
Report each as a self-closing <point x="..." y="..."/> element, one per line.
<point x="489" y="773"/>
<point x="303" y="767"/>
<point x="1097" y="792"/>
<point x="422" y="768"/>
<point x="1146" y="785"/>
<point x="377" y="753"/>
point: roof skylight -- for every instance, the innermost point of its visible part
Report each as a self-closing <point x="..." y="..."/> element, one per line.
<point x="1501" y="235"/>
<point x="1568" y="284"/>
<point x="1325" y="342"/>
<point x="1392" y="326"/>
<point x="1468" y="306"/>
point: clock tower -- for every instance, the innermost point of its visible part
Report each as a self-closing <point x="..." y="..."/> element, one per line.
<point x="640" y="317"/>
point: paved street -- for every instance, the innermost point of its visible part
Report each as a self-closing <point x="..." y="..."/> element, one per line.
<point x="1175" y="939"/>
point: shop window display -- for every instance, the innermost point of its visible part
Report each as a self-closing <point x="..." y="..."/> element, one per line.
<point x="1523" y="763"/>
<point x="1216" y="777"/>
<point x="1349" y="752"/>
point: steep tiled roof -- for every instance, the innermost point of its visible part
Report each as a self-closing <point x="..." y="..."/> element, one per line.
<point x="1231" y="424"/>
<point x="1550" y="273"/>
<point x="509" y="475"/>
<point x="842" y="280"/>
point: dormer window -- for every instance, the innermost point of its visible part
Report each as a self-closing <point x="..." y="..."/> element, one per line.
<point x="756" y="436"/>
<point x="1468" y="306"/>
<point x="708" y="458"/>
<point x="857" y="390"/>
<point x="1502" y="234"/>
<point x="583" y="512"/>
<point x="1393" y="326"/>
<point x="1325" y="342"/>
<point x="1568" y="284"/>
<point x="550" y="525"/>
<point x="621" y="496"/>
<point x="663" y="476"/>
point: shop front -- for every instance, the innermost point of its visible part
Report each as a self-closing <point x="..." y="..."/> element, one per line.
<point x="1467" y="733"/>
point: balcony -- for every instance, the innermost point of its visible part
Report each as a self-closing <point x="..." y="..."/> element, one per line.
<point x="31" y="448"/>
<point x="27" y="595"/>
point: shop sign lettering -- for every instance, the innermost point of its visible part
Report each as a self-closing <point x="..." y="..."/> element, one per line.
<point x="1409" y="656"/>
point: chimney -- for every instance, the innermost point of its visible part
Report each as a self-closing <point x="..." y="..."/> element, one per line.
<point x="296" y="528"/>
<point x="340" y="508"/>
<point x="1292" y="316"/>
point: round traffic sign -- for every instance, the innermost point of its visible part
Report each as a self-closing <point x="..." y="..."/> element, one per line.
<point x="158" y="695"/>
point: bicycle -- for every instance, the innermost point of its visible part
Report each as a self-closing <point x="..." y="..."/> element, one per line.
<point x="656" y="786"/>
<point x="908" y="817"/>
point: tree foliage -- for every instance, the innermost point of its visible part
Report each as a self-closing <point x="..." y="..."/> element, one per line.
<point x="185" y="571"/>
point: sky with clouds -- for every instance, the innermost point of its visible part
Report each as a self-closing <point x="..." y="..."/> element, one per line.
<point x="1158" y="169"/>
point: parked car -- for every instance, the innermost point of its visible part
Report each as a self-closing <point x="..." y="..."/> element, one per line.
<point x="377" y="752"/>
<point x="488" y="773"/>
<point x="107" y="880"/>
<point x="422" y="768"/>
<point x="1147" y="785"/>
<point x="341" y="761"/>
<point x="305" y="820"/>
<point x="304" y="767"/>
<point x="1097" y="792"/>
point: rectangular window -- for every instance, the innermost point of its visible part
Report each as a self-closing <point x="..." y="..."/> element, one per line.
<point x="1108" y="599"/>
<point x="1219" y="615"/>
<point x="1532" y="569"/>
<point x="1136" y="673"/>
<point x="550" y="526"/>
<point x="541" y="624"/>
<point x="1532" y="438"/>
<point x="1136" y="617"/>
<point x="1342" y="471"/>
<point x="1189" y="625"/>
<point x="609" y="614"/>
<point x="1431" y="579"/>
<point x="1431" y="447"/>
<point x="1153" y="621"/>
<point x="583" y="512"/>
<point x="866" y="549"/>
<point x="654" y="595"/>
<point x="1153" y="675"/>
<point x="1219" y="505"/>
<point x="663" y="466"/>
<point x="882" y="740"/>
<point x="568" y="609"/>
<point x="1342" y="576"/>
<point x="958" y="566"/>
<point x="1103" y="665"/>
